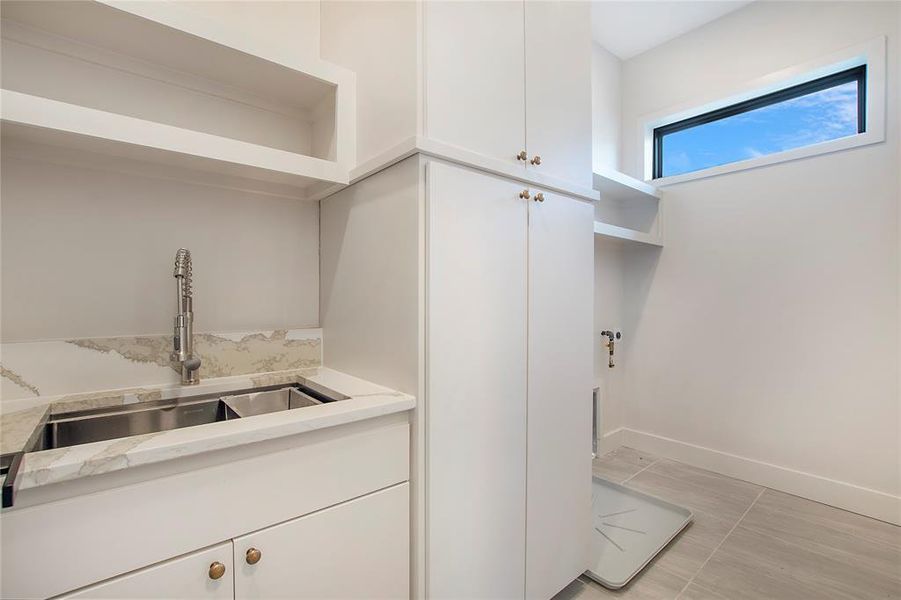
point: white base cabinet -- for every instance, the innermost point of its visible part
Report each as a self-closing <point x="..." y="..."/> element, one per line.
<point x="188" y="576"/>
<point x="359" y="549"/>
<point x="327" y="509"/>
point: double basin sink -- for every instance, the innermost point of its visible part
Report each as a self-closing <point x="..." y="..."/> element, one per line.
<point x="99" y="424"/>
<point x="84" y="427"/>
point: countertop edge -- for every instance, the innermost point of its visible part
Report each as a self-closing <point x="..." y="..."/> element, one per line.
<point x="366" y="401"/>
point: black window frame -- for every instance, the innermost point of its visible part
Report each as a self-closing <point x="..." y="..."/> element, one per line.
<point x="858" y="74"/>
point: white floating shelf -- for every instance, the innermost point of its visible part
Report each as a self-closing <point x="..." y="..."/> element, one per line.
<point x="159" y="84"/>
<point x="624" y="233"/>
<point x="167" y="35"/>
<point x="614" y="185"/>
<point x="42" y="120"/>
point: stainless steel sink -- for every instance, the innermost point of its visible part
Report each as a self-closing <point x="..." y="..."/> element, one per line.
<point x="121" y="422"/>
<point x="83" y="427"/>
<point x="98" y="424"/>
<point x="260" y="403"/>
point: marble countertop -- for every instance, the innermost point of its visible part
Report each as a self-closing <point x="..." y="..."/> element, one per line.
<point x="365" y="400"/>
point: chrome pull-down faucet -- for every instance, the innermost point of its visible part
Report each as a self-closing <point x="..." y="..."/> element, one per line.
<point x="183" y="338"/>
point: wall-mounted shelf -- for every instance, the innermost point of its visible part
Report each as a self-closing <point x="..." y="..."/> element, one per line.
<point x="40" y="120"/>
<point x="157" y="82"/>
<point x="624" y="233"/>
<point x="628" y="209"/>
<point x="614" y="185"/>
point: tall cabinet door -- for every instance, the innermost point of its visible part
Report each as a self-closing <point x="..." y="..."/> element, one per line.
<point x="561" y="291"/>
<point x="474" y="76"/>
<point x="188" y="576"/>
<point x="357" y="549"/>
<point x="475" y="406"/>
<point x="558" y="88"/>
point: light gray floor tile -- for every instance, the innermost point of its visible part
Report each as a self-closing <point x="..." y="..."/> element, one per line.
<point x="784" y="546"/>
<point x="866" y="543"/>
<point x="622" y="463"/>
<point x="752" y="565"/>
<point x="696" y="592"/>
<point x="836" y="519"/>
<point x="716" y="495"/>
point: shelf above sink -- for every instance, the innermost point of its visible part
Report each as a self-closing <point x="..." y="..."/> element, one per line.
<point x="161" y="85"/>
<point x="109" y="136"/>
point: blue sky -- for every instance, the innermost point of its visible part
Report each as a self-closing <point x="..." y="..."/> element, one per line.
<point x="810" y="119"/>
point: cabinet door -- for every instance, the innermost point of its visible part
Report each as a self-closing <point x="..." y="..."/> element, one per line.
<point x="561" y="291"/>
<point x="185" y="577"/>
<point x="474" y="76"/>
<point x="558" y="88"/>
<point x="357" y="549"/>
<point x="475" y="405"/>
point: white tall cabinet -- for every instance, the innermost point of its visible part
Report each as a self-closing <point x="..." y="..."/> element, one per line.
<point x="561" y="261"/>
<point x="557" y="91"/>
<point x="472" y="286"/>
<point x="477" y="378"/>
<point x="475" y="76"/>
<point x="499" y="306"/>
<point x="509" y="81"/>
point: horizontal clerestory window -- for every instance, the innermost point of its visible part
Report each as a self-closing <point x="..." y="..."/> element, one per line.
<point x="813" y="112"/>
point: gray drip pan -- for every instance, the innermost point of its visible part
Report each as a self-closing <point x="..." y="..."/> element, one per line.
<point x="628" y="529"/>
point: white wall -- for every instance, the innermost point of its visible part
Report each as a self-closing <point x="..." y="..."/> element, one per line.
<point x="378" y="41"/>
<point x="89" y="253"/>
<point x="606" y="107"/>
<point x="609" y="313"/>
<point x="606" y="112"/>
<point x="292" y="24"/>
<point x="370" y="249"/>
<point x="767" y="329"/>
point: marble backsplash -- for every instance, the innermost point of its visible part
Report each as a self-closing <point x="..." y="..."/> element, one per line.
<point x="40" y="369"/>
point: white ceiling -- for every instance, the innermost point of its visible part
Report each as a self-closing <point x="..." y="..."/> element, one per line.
<point x="627" y="28"/>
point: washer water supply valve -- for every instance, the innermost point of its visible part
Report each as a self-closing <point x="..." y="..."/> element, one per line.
<point x="609" y="344"/>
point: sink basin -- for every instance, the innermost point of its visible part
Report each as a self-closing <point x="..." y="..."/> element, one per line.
<point x="94" y="425"/>
<point x="114" y="422"/>
<point x="124" y="422"/>
<point x="260" y="403"/>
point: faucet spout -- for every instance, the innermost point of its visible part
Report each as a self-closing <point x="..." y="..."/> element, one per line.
<point x="183" y="337"/>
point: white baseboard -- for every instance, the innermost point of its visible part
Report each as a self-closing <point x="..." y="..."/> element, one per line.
<point x="611" y="441"/>
<point x="840" y="494"/>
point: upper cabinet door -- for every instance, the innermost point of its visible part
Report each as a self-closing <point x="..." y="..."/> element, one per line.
<point x="474" y="88"/>
<point x="190" y="576"/>
<point x="561" y="293"/>
<point x="558" y="88"/>
<point x="358" y="549"/>
<point x="476" y="395"/>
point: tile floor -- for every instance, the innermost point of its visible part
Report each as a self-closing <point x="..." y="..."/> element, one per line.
<point x="750" y="542"/>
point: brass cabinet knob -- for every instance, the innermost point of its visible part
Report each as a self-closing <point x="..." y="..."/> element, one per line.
<point x="217" y="570"/>
<point x="525" y="195"/>
<point x="253" y="556"/>
<point x="522" y="156"/>
<point x="539" y="197"/>
<point x="536" y="160"/>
